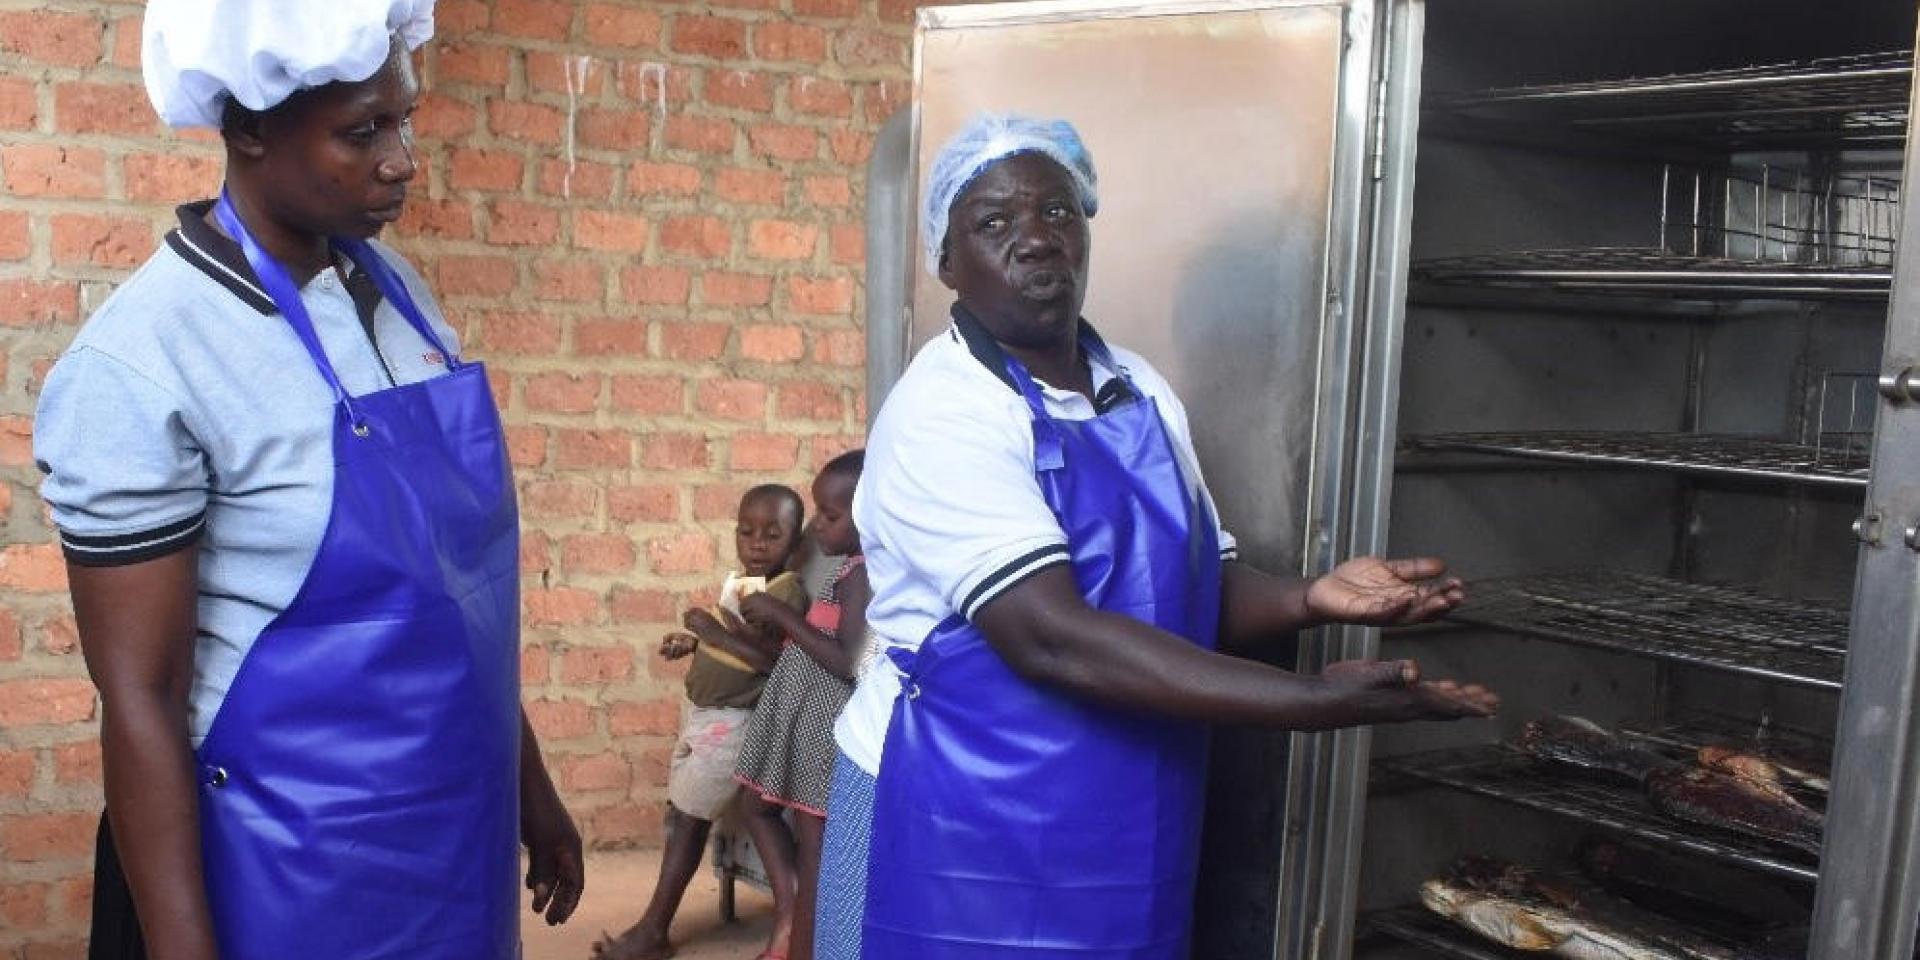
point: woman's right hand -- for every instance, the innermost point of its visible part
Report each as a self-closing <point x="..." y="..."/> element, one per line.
<point x="1394" y="691"/>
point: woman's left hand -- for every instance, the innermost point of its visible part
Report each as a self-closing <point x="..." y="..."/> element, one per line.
<point x="1377" y="592"/>
<point x="556" y="871"/>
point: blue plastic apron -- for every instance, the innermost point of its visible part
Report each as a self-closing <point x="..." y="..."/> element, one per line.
<point x="1013" y="820"/>
<point x="359" y="785"/>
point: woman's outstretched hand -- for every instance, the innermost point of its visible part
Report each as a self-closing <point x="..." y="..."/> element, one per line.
<point x="1394" y="691"/>
<point x="1384" y="593"/>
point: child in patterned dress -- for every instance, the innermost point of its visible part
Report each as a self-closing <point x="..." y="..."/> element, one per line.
<point x="787" y="760"/>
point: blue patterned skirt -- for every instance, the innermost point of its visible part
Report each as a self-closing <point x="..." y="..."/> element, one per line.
<point x="843" y="863"/>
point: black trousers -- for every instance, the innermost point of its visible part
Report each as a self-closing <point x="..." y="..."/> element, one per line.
<point x="116" y="927"/>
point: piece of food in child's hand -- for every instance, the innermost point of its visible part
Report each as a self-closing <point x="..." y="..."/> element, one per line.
<point x="737" y="588"/>
<point x="677" y="645"/>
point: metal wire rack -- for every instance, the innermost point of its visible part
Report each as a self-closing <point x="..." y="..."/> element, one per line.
<point x="1859" y="100"/>
<point x="1763" y="213"/>
<point x="1749" y="230"/>
<point x="1648" y="271"/>
<point x="1689" y="733"/>
<point x="1718" y="627"/>
<point x="1417" y="926"/>
<point x="1500" y="773"/>
<point x="1840" y="417"/>
<point x="1735" y="455"/>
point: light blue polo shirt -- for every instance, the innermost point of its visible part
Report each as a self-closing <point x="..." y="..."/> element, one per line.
<point x="187" y="411"/>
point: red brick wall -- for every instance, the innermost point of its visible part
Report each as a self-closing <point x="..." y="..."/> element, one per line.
<point x="645" y="216"/>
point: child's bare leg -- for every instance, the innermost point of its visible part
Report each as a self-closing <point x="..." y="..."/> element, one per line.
<point x="647" y="939"/>
<point x="808" y="833"/>
<point x="775" y="843"/>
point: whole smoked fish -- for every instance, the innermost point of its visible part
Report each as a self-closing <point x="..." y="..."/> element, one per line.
<point x="1734" y="803"/>
<point x="1695" y="794"/>
<point x="1766" y="766"/>
<point x="1581" y="743"/>
<point x="1515" y="906"/>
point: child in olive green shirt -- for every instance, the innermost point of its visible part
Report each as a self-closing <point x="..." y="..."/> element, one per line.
<point x="731" y="659"/>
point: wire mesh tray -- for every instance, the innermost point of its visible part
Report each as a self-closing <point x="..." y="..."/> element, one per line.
<point x="1736" y="455"/>
<point x="1704" y="625"/>
<point x="1417" y="926"/>
<point x="1650" y="271"/>
<point x="1500" y="773"/>
<point x="1857" y="100"/>
<point x="1689" y="733"/>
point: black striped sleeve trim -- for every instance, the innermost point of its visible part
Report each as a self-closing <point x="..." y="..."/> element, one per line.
<point x="1011" y="573"/>
<point x="1229" y="553"/>
<point x="120" y="549"/>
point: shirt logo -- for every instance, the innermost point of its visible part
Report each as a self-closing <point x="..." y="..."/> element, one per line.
<point x="434" y="357"/>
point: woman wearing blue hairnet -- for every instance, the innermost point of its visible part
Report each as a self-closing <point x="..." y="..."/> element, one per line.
<point x="1055" y="610"/>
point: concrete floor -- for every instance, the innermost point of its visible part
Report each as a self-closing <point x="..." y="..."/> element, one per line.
<point x="618" y="884"/>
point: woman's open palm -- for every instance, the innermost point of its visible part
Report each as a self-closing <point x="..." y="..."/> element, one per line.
<point x="1378" y="592"/>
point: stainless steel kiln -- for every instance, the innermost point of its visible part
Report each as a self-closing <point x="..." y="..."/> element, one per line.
<point x="1596" y="299"/>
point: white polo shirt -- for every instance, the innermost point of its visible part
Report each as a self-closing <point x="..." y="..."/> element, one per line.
<point x="949" y="510"/>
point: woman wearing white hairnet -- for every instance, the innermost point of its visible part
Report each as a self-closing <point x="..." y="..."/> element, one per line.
<point x="291" y="537"/>
<point x="1026" y="750"/>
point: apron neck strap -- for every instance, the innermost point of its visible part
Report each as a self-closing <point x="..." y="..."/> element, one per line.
<point x="281" y="288"/>
<point x="395" y="291"/>
<point x="1097" y="351"/>
<point x="1048" y="451"/>
<point x="286" y="294"/>
<point x="1091" y="346"/>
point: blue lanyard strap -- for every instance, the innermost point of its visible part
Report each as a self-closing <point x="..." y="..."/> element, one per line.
<point x="286" y="297"/>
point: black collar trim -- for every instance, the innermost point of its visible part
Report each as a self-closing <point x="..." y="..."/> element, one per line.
<point x="217" y="256"/>
<point x="968" y="329"/>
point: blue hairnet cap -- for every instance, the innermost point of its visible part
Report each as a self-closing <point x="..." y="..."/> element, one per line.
<point x="987" y="139"/>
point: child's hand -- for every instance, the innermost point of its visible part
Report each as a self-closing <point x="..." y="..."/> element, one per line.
<point x="701" y="621"/>
<point x="763" y="610"/>
<point x="677" y="645"/>
<point x="727" y="633"/>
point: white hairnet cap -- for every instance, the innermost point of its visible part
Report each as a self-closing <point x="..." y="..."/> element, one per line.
<point x="195" y="54"/>
<point x="987" y="139"/>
